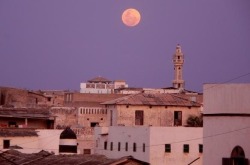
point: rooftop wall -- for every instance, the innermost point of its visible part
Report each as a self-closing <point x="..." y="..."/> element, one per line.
<point x="226" y="98"/>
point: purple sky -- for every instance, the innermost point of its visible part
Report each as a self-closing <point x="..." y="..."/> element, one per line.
<point x="56" y="44"/>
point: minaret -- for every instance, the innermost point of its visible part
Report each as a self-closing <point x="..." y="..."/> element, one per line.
<point x="178" y="60"/>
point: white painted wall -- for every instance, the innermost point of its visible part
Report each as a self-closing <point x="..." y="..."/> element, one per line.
<point x="47" y="140"/>
<point x="84" y="89"/>
<point x="177" y="137"/>
<point x="155" y="139"/>
<point x="28" y="143"/>
<point x="226" y="98"/>
<point x="123" y="134"/>
<point x="223" y="133"/>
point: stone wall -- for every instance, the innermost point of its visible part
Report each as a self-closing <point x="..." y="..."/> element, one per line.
<point x="19" y="98"/>
<point x="153" y="115"/>
<point x="65" y="116"/>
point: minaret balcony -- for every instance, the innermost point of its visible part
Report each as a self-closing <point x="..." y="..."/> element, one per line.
<point x="178" y="61"/>
<point x="178" y="81"/>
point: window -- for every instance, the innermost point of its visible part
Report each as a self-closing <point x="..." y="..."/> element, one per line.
<point x="6" y="144"/>
<point x="186" y="148"/>
<point x="86" y="151"/>
<point x="2" y="99"/>
<point x="111" y="146"/>
<point x="119" y="146"/>
<point x="143" y="147"/>
<point x="237" y="157"/>
<point x="134" y="147"/>
<point x="126" y="146"/>
<point x="138" y="117"/>
<point x="49" y="98"/>
<point x="111" y="117"/>
<point x="93" y="124"/>
<point x="177" y="118"/>
<point x="12" y="124"/>
<point x="105" y="145"/>
<point x="167" y="147"/>
<point x="68" y="134"/>
<point x="200" y="148"/>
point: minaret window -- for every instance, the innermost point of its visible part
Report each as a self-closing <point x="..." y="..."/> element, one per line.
<point x="178" y="57"/>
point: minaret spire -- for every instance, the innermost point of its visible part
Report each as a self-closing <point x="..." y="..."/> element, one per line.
<point x="178" y="60"/>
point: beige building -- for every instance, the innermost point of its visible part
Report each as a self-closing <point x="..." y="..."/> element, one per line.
<point x="22" y="98"/>
<point x="153" y="109"/>
<point x="82" y="112"/>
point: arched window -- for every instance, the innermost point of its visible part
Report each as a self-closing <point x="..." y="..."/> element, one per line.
<point x="238" y="152"/>
<point x="237" y="157"/>
<point x="68" y="143"/>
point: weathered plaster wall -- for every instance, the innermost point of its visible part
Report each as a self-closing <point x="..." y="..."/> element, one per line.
<point x="19" y="98"/>
<point x="65" y="116"/>
<point x="153" y="115"/>
<point x="31" y="123"/>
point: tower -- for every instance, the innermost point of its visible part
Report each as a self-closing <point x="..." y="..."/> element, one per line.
<point x="178" y="60"/>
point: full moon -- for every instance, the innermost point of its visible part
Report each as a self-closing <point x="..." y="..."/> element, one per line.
<point x="131" y="17"/>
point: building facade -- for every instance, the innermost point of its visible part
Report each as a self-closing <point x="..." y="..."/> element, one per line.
<point x="28" y="140"/>
<point x="226" y="124"/>
<point x="155" y="145"/>
<point x="153" y="109"/>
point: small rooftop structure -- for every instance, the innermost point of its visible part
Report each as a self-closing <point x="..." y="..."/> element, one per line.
<point x="101" y="85"/>
<point x="99" y="79"/>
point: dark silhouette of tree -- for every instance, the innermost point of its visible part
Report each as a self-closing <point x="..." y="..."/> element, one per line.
<point x="195" y="121"/>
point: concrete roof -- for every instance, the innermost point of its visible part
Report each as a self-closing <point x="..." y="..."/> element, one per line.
<point x="164" y="99"/>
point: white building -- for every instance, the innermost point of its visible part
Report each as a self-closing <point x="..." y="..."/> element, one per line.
<point x="155" y="145"/>
<point x="101" y="85"/>
<point x="30" y="140"/>
<point x="226" y="124"/>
